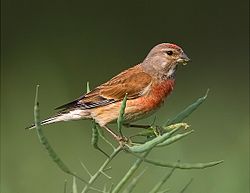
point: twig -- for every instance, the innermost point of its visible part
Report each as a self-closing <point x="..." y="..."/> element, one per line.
<point x="86" y="169"/>
<point x="106" y="175"/>
<point x="65" y="186"/>
<point x="104" y="139"/>
<point x="130" y="172"/>
<point x="74" y="186"/>
<point x="160" y="183"/>
<point x="133" y="183"/>
<point x="111" y="188"/>
<point x="186" y="186"/>
<point x="97" y="174"/>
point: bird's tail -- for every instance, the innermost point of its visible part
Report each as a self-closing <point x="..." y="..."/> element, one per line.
<point x="70" y="115"/>
<point x="46" y="121"/>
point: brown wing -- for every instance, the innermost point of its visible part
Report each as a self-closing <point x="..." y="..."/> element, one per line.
<point x="132" y="81"/>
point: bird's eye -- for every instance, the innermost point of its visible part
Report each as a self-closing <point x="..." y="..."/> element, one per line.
<point x="169" y="53"/>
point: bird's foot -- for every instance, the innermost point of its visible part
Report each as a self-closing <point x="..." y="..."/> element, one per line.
<point x="122" y="140"/>
<point x="158" y="131"/>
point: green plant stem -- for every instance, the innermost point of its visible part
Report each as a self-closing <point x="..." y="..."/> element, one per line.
<point x="130" y="172"/>
<point x="104" y="138"/>
<point x="158" y="186"/>
<point x="186" y="186"/>
<point x="65" y="187"/>
<point x="133" y="183"/>
<point x="43" y="140"/>
<point x="188" y="110"/>
<point x="100" y="171"/>
<point x="74" y="186"/>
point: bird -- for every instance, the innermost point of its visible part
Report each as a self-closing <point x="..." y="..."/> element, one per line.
<point x="146" y="86"/>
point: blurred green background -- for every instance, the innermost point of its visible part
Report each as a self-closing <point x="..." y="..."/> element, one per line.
<point x="63" y="44"/>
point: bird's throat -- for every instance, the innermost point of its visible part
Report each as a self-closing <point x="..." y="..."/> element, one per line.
<point x="171" y="72"/>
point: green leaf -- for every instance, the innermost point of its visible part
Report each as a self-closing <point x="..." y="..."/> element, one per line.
<point x="43" y="140"/>
<point x="88" y="87"/>
<point x="150" y="133"/>
<point x="121" y="114"/>
<point x="187" y="111"/>
<point x="174" y="138"/>
<point x="180" y="165"/>
<point x="154" y="142"/>
<point x="95" y="138"/>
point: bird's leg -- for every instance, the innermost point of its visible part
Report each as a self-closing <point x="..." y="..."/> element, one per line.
<point x="117" y="137"/>
<point x="158" y="130"/>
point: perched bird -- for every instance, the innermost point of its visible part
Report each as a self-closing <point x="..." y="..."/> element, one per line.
<point x="146" y="84"/>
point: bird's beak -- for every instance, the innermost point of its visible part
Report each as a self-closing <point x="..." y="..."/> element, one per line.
<point x="184" y="59"/>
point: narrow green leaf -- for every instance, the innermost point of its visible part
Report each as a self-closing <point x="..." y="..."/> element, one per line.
<point x="154" y="142"/>
<point x="88" y="87"/>
<point x="180" y="165"/>
<point x="121" y="115"/>
<point x="95" y="138"/>
<point x="186" y="112"/>
<point x="174" y="138"/>
<point x="43" y="140"/>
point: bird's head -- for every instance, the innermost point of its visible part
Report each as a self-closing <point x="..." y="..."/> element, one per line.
<point x="164" y="58"/>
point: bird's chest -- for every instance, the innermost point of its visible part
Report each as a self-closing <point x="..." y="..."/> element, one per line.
<point x="156" y="95"/>
<point x="148" y="104"/>
<point x="159" y="92"/>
